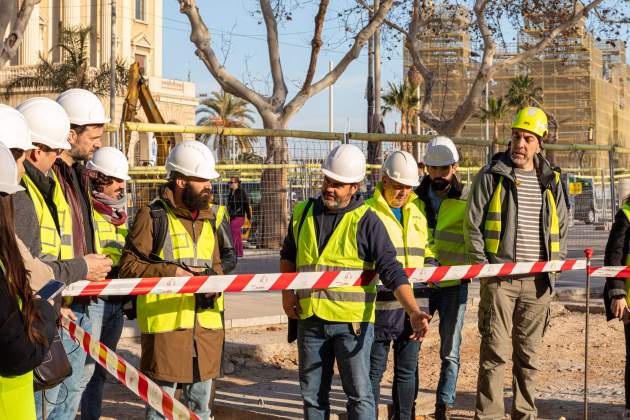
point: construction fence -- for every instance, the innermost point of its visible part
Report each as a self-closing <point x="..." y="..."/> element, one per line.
<point x="595" y="184"/>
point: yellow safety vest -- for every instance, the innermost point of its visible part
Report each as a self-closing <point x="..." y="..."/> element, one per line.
<point x="17" y="398"/>
<point x="340" y="304"/>
<point x="492" y="225"/>
<point x="56" y="244"/>
<point x="409" y="240"/>
<point x="220" y="213"/>
<point x="109" y="239"/>
<point x="448" y="237"/>
<point x="626" y="210"/>
<point x="169" y="312"/>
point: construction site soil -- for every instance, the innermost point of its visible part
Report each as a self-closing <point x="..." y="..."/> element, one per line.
<point x="261" y="373"/>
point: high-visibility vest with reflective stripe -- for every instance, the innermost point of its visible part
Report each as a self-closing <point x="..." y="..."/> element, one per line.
<point x="448" y="236"/>
<point x="626" y="211"/>
<point x="109" y="239"/>
<point x="339" y="304"/>
<point x="17" y="398"/>
<point x="409" y="240"/>
<point x="220" y="213"/>
<point x="55" y="244"/>
<point x="492" y="226"/>
<point x="169" y="312"/>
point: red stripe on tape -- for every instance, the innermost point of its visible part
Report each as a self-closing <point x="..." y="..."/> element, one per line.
<point x="193" y="284"/>
<point x="145" y="286"/>
<point x="326" y="278"/>
<point x="143" y="387"/>
<point x="284" y="281"/>
<point x="625" y="273"/>
<point x="568" y="265"/>
<point x="538" y="266"/>
<point x="506" y="269"/>
<point x="86" y="342"/>
<point x="102" y="358"/>
<point x="239" y="283"/>
<point x="365" y="279"/>
<point x="72" y="329"/>
<point x="94" y="288"/>
<point x="121" y="370"/>
<point x="438" y="274"/>
<point x="167" y="405"/>
<point x="473" y="271"/>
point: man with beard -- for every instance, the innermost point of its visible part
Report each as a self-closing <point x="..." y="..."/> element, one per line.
<point x="108" y="174"/>
<point x="338" y="231"/>
<point x="516" y="213"/>
<point x="182" y="334"/>
<point x="444" y="198"/>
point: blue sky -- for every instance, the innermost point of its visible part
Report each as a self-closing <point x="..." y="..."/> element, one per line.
<point x="248" y="55"/>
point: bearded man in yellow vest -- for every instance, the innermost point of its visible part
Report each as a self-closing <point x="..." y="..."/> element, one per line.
<point x="402" y="213"/>
<point x="444" y="197"/>
<point x="182" y="334"/>
<point x="338" y="231"/>
<point x="516" y="213"/>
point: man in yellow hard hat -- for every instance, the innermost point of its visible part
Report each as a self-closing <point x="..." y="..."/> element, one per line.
<point x="516" y="213"/>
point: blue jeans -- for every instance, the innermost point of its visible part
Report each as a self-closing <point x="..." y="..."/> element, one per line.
<point x="405" y="388"/>
<point x="320" y="343"/>
<point x="62" y="401"/>
<point x="195" y="396"/>
<point x="450" y="303"/>
<point x="106" y="317"/>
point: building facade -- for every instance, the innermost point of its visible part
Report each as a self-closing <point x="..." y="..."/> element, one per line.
<point x="139" y="35"/>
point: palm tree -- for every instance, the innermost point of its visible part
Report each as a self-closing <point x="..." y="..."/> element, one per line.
<point x="222" y="109"/>
<point x="74" y="70"/>
<point x="496" y="111"/>
<point x="402" y="98"/>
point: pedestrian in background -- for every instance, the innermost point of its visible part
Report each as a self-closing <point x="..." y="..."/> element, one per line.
<point x="616" y="290"/>
<point x="238" y="209"/>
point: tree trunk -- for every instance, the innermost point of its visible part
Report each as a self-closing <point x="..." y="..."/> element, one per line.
<point x="495" y="140"/>
<point x="274" y="208"/>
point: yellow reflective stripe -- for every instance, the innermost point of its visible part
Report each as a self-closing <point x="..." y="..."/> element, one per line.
<point x="48" y="235"/>
<point x="109" y="239"/>
<point x="492" y="225"/>
<point x="335" y="295"/>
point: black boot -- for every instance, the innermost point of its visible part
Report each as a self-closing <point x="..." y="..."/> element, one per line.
<point x="442" y="412"/>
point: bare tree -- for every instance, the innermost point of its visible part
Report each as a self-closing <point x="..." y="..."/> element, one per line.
<point x="550" y="19"/>
<point x="275" y="109"/>
<point x="16" y="20"/>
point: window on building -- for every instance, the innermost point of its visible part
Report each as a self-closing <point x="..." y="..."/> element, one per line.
<point x="140" y="9"/>
<point x="141" y="59"/>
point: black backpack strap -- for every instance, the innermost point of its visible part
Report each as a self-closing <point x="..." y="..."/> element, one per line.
<point x="160" y="227"/>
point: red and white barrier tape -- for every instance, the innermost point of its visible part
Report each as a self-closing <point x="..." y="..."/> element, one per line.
<point x="305" y="280"/>
<point x="620" y="272"/>
<point x="128" y="375"/>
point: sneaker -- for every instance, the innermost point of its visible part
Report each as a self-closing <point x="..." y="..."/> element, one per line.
<point x="442" y="412"/>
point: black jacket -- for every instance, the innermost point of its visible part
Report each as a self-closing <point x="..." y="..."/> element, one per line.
<point x="422" y="191"/>
<point x="18" y="355"/>
<point x="372" y="240"/>
<point x="238" y="204"/>
<point x="615" y="254"/>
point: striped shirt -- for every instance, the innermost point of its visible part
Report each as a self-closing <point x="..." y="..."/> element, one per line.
<point x="529" y="234"/>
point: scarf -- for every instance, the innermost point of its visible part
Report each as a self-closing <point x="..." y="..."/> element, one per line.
<point x="111" y="209"/>
<point x="65" y="176"/>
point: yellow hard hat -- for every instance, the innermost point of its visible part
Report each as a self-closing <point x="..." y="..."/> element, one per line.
<point x="531" y="119"/>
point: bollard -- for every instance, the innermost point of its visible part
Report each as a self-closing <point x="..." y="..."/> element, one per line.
<point x="588" y="253"/>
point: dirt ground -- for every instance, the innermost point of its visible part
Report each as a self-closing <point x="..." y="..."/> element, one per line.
<point x="561" y="376"/>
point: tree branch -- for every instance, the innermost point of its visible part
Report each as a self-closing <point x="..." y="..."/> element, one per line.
<point x="332" y="76"/>
<point x="316" y="43"/>
<point x="12" y="42"/>
<point x="386" y="21"/>
<point x="200" y="36"/>
<point x="279" y="87"/>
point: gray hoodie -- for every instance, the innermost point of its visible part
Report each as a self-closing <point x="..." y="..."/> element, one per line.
<point x="479" y="198"/>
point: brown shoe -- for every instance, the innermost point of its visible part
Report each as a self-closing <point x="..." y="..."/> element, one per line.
<point x="442" y="412"/>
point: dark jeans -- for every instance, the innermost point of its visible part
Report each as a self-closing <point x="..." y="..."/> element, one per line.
<point x="450" y="303"/>
<point x="320" y="343"/>
<point x="626" y="329"/>
<point x="405" y="387"/>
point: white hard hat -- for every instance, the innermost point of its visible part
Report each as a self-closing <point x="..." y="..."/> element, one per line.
<point x="15" y="133"/>
<point x="401" y="167"/>
<point x="111" y="162"/>
<point x="345" y="163"/>
<point x="48" y="121"/>
<point x="441" y="151"/>
<point x="191" y="158"/>
<point x="9" y="182"/>
<point x="83" y="107"/>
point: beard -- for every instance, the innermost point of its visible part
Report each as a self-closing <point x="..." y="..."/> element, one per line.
<point x="439" y="184"/>
<point x="196" y="201"/>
